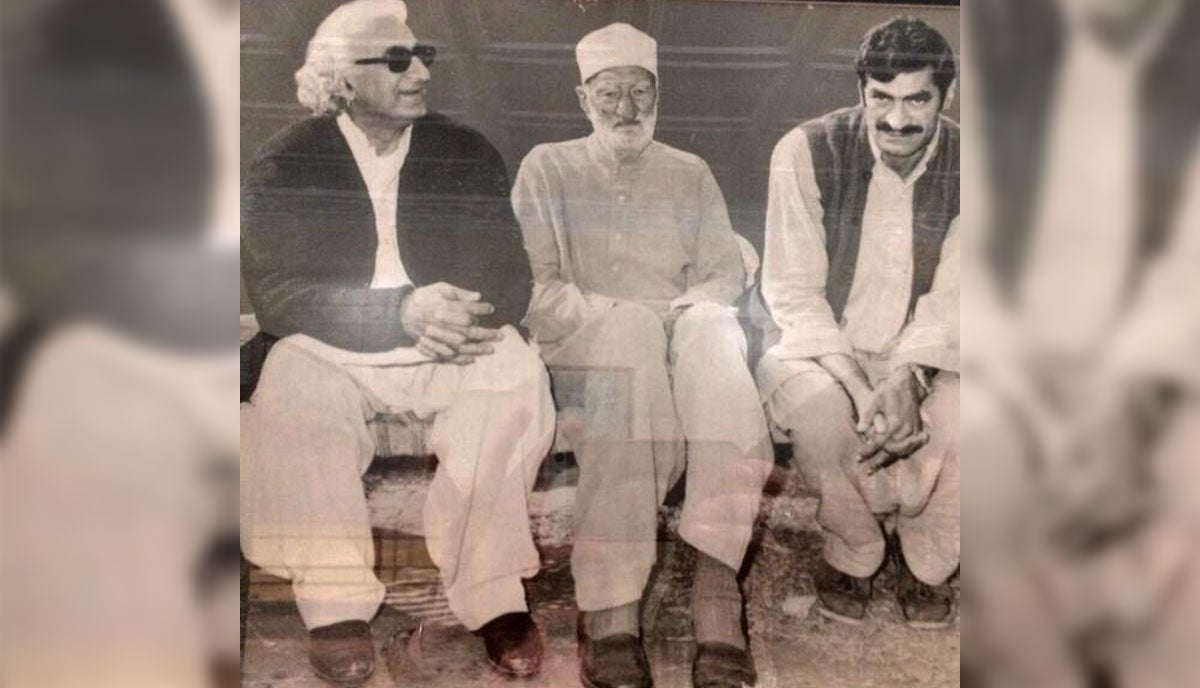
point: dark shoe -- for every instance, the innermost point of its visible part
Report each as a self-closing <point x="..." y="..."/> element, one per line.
<point x="840" y="596"/>
<point x="922" y="605"/>
<point x="617" y="661"/>
<point x="718" y="665"/>
<point x="342" y="653"/>
<point x="514" y="645"/>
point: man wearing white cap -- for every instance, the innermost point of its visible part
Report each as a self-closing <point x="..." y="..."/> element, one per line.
<point x="380" y="250"/>
<point x="636" y="269"/>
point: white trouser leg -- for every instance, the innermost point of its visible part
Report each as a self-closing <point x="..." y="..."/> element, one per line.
<point x="304" y="513"/>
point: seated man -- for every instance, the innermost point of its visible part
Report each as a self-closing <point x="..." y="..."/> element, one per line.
<point x="380" y="247"/>
<point x="861" y="275"/>
<point x="636" y="270"/>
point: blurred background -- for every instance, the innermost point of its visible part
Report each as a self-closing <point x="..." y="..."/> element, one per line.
<point x="119" y="439"/>
<point x="1081" y="343"/>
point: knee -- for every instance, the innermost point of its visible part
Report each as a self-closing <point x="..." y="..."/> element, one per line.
<point x="296" y="377"/>
<point x="707" y="317"/>
<point x="516" y="362"/>
<point x="709" y="327"/>
<point x="817" y="412"/>
<point x="809" y="402"/>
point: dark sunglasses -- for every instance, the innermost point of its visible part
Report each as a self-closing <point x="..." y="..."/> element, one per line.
<point x="398" y="58"/>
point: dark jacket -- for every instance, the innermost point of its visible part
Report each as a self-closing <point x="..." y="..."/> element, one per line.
<point x="309" y="237"/>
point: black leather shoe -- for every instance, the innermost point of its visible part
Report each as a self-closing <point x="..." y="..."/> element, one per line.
<point x="342" y="653"/>
<point x="718" y="665"/>
<point x="922" y="605"/>
<point x="840" y="596"/>
<point x="514" y="645"/>
<point x="617" y="661"/>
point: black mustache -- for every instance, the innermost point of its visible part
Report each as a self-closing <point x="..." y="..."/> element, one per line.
<point x="904" y="131"/>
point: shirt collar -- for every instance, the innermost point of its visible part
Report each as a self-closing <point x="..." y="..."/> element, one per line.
<point x="930" y="151"/>
<point x="364" y="152"/>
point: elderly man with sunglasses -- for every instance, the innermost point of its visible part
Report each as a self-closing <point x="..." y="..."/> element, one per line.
<point x="380" y="251"/>
<point x="636" y="270"/>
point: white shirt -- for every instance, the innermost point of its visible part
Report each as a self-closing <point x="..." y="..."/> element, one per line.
<point x="382" y="176"/>
<point x="877" y="305"/>
<point x="381" y="173"/>
<point x="653" y="230"/>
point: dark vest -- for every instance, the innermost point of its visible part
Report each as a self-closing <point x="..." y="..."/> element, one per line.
<point x="843" y="163"/>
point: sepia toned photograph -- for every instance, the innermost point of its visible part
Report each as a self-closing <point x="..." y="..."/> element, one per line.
<point x="599" y="343"/>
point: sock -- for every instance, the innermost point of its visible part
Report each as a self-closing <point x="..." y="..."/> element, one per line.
<point x="717" y="603"/>
<point x="612" y="621"/>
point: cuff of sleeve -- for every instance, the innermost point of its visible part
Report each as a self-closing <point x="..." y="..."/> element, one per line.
<point x="688" y="300"/>
<point x="598" y="304"/>
<point x="693" y="297"/>
<point x="931" y="357"/>
<point x="550" y="324"/>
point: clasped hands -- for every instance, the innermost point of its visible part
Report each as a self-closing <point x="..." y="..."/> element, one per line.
<point x="443" y="319"/>
<point x="889" y="420"/>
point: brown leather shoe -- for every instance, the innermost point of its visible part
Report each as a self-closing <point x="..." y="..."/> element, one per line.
<point x="514" y="645"/>
<point x="840" y="596"/>
<point x="616" y="661"/>
<point x="342" y="653"/>
<point x="718" y="665"/>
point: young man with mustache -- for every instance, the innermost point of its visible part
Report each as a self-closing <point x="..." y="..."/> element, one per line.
<point x="636" y="269"/>
<point x="861" y="275"/>
<point x="384" y="263"/>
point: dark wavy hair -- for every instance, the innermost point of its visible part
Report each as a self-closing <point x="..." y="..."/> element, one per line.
<point x="905" y="44"/>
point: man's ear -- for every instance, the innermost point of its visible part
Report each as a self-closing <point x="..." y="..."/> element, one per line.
<point x="951" y="94"/>
<point x="581" y="91"/>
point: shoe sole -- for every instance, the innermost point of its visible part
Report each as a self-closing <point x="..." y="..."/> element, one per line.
<point x="929" y="625"/>
<point x="344" y="684"/>
<point x="588" y="684"/>
<point x="834" y="616"/>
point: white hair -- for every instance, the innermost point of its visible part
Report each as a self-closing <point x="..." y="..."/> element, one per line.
<point x="321" y="83"/>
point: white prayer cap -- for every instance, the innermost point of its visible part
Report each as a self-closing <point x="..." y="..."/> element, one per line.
<point x="616" y="45"/>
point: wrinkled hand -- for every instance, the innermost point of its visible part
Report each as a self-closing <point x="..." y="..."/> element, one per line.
<point x="443" y="319"/>
<point x="890" y="421"/>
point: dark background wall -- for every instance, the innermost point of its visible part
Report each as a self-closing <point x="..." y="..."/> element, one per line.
<point x="735" y="75"/>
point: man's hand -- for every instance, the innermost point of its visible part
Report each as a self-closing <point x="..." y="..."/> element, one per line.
<point x="442" y="318"/>
<point x="890" y="420"/>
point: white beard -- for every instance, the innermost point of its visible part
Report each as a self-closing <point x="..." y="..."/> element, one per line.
<point x="622" y="145"/>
